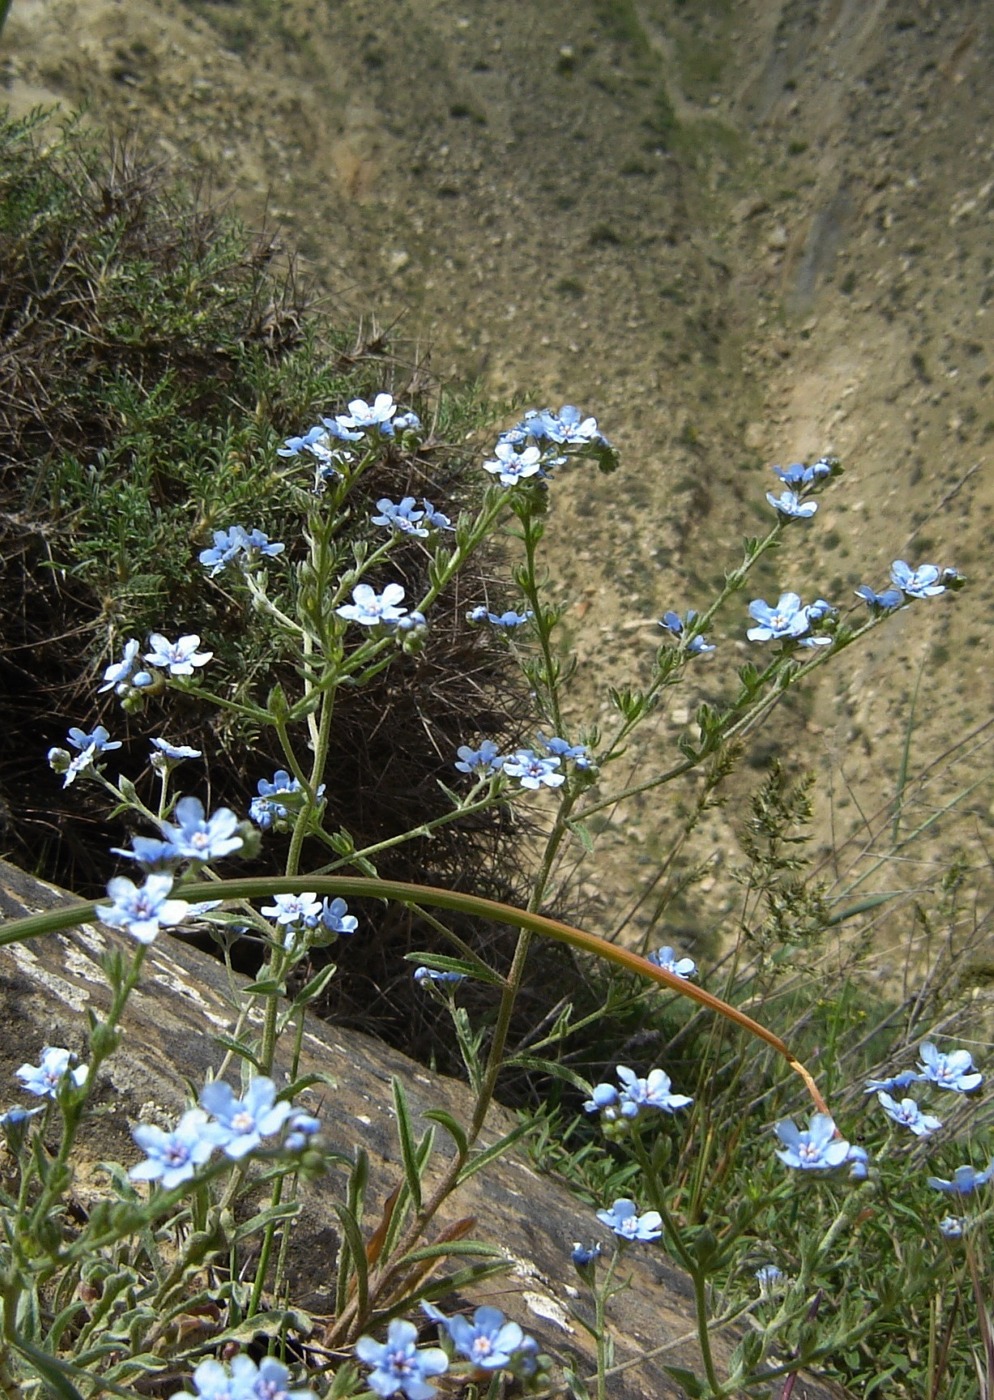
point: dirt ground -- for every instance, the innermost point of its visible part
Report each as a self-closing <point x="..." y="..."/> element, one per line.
<point x="739" y="231"/>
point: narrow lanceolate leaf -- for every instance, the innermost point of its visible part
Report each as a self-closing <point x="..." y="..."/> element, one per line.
<point x="452" y="1127"/>
<point x="408" y="1150"/>
<point x="489" y="1154"/>
<point x="374" y="1245"/>
<point x="359" y="1281"/>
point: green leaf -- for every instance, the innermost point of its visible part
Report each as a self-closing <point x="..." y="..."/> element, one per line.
<point x="694" y="1388"/>
<point x="475" y="1248"/>
<point x="266" y="988"/>
<point x="441" y="962"/>
<point x="239" y="1048"/>
<point x="405" y="1135"/>
<point x="551" y="1067"/>
<point x="490" y="1154"/>
<point x="315" y="986"/>
<point x="54" y="1372"/>
<point x="357" y="1260"/>
<point x="455" y="1132"/>
<point x="265" y="1217"/>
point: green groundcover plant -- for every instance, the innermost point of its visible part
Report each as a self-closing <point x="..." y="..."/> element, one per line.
<point x="815" y="1240"/>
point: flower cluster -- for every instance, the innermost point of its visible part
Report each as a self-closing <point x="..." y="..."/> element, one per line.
<point x="635" y="1096"/>
<point x="927" y="581"/>
<point x="279" y="800"/>
<point x="790" y="504"/>
<point x="382" y="418"/>
<point x="789" y="621"/>
<point x="696" y="644"/>
<point x="533" y="770"/>
<point x="505" y="621"/>
<point x="399" y="1364"/>
<point x="294" y="914"/>
<point x="127" y="677"/>
<point x="371" y="609"/>
<point x="404" y="518"/>
<point x="235" y="1126"/>
<point x="489" y="1342"/>
<point x="88" y="747"/>
<point x="242" y="1379"/>
<point x="249" y="546"/>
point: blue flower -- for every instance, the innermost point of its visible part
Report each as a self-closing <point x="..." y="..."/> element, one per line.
<point x="370" y="609"/>
<point x="489" y="1341"/>
<point x="196" y="837"/>
<point x="227" y="544"/>
<point x="150" y="853"/>
<point x="100" y="741"/>
<point x="289" y="909"/>
<point x="124" y="675"/>
<point x="174" y="1157"/>
<point x="604" y="1099"/>
<point x="859" y="1162"/>
<point x="797" y="474"/>
<point x="243" y="1123"/>
<point x="789" y="620"/>
<point x="965" y="1181"/>
<point x="483" y="761"/>
<point x="534" y="772"/>
<point x="909" y="1115"/>
<point x="141" y="911"/>
<point x="563" y="749"/>
<point x="953" y="1071"/>
<point x="363" y="415"/>
<point x="424" y="976"/>
<point x="884" y="602"/>
<point x="789" y="505"/>
<point x="434" y="519"/>
<point x="951" y="1226"/>
<point x="896" y="1081"/>
<point x="667" y="959"/>
<point x="401" y="517"/>
<point x="585" y="1255"/>
<point x="301" y="1127"/>
<point x="768" y="1276"/>
<point x="816" y="1148"/>
<point x="314" y="437"/>
<point x="168" y="754"/>
<point x="511" y="466"/>
<point x="567" y="426"/>
<point x="178" y="657"/>
<point x="400" y="1364"/>
<point x="45" y="1079"/>
<point x="651" y="1092"/>
<point x="335" y="917"/>
<point x="679" y="626"/>
<point x="623" y="1218"/>
<point x="277" y="799"/>
<point x="922" y="582"/>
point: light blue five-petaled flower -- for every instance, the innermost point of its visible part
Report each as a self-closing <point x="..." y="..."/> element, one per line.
<point x="790" y="620"/>
<point x="400" y="1364"/>
<point x="623" y="1218"/>
<point x="922" y="582"/>
<point x="179" y="657"/>
<point x="173" y="1157"/>
<point x="815" y="1148"/>
<point x="242" y="1379"/>
<point x="964" y="1182"/>
<point x="141" y="910"/>
<point x="195" y="836"/>
<point x="909" y="1115"/>
<point x="489" y="1340"/>
<point x="370" y="608"/>
<point x="243" y="1123"/>
<point x="790" y="506"/>
<point x="45" y="1078"/>
<point x="511" y="466"/>
<point x="954" y="1070"/>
